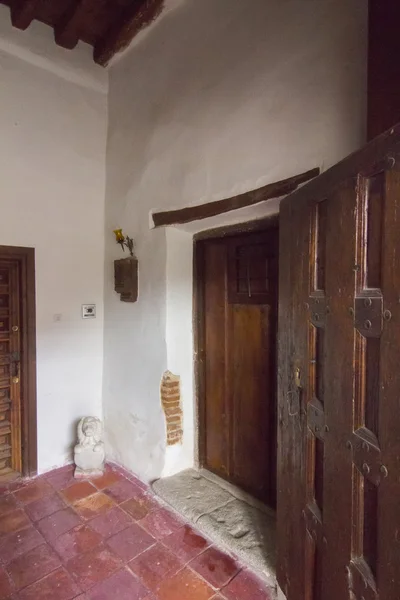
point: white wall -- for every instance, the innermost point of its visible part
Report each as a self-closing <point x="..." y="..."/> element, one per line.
<point x="219" y="97"/>
<point x="53" y="116"/>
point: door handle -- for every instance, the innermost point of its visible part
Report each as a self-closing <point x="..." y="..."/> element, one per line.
<point x="297" y="377"/>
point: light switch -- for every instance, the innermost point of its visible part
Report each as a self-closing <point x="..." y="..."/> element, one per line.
<point x="88" y="311"/>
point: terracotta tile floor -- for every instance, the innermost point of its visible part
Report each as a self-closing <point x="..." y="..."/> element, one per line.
<point x="108" y="539"/>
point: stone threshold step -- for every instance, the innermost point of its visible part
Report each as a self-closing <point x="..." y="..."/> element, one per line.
<point x="228" y="516"/>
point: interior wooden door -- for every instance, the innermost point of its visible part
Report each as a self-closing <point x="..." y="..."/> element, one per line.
<point x="10" y="360"/>
<point x="339" y="382"/>
<point x="240" y="276"/>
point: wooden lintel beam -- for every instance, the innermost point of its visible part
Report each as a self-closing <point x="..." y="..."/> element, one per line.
<point x="67" y="31"/>
<point x="23" y="13"/>
<point x="135" y="17"/>
<point x="219" y="207"/>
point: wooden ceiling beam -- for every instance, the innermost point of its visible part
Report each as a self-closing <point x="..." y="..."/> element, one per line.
<point x="67" y="32"/>
<point x="134" y="18"/>
<point x="23" y="13"/>
<point x="219" y="207"/>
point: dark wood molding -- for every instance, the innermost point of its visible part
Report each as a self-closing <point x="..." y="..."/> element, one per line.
<point x="238" y="228"/>
<point x="199" y="352"/>
<point x="136" y="17"/>
<point x="219" y="207"/>
<point x="383" y="66"/>
<point x="26" y="259"/>
<point x="67" y="32"/>
<point x="23" y="13"/>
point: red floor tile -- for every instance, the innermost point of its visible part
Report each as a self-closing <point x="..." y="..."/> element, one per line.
<point x="135" y="508"/>
<point x="185" y="585"/>
<point x="58" y="523"/>
<point x="122" y="586"/>
<point x="140" y="506"/>
<point x="13" y="521"/>
<point x="32" y="566"/>
<point x="108" y="479"/>
<point x="56" y="586"/>
<point x="247" y="585"/>
<point x="144" y="486"/>
<point x="215" y="567"/>
<point x="111" y="522"/>
<point x="15" y="544"/>
<point x="94" y="505"/>
<point x="77" y="491"/>
<point x="186" y="543"/>
<point x="17" y="485"/>
<point x="161" y="523"/>
<point x="5" y="584"/>
<point x="128" y="475"/>
<point x="33" y="491"/>
<point x="7" y="503"/>
<point x="76" y="541"/>
<point x="116" y="544"/>
<point x="130" y="542"/>
<point x="44" y="507"/>
<point x="93" y="567"/>
<point x="61" y="478"/>
<point x="123" y="490"/>
<point x="154" y="565"/>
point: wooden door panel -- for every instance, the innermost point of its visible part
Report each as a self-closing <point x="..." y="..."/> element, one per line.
<point x="339" y="395"/>
<point x="10" y="401"/>
<point x="387" y="508"/>
<point x="253" y="398"/>
<point x="292" y="387"/>
<point x="339" y="381"/>
<point x="240" y="298"/>
<point x="217" y="411"/>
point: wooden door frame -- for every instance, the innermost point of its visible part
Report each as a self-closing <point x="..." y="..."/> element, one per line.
<point x="265" y="224"/>
<point x="26" y="261"/>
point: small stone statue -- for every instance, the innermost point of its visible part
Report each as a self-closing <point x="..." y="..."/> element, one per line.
<point x="89" y="453"/>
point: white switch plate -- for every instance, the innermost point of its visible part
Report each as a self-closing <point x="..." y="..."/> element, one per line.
<point x="88" y="311"/>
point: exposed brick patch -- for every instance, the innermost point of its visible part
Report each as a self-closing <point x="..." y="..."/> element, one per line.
<point x="171" y="403"/>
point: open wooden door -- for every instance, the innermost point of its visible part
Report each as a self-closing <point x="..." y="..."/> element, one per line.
<point x="339" y="381"/>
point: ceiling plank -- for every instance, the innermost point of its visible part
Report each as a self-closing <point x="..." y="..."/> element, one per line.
<point x="134" y="18"/>
<point x="67" y="32"/>
<point x="23" y="13"/>
<point x="212" y="209"/>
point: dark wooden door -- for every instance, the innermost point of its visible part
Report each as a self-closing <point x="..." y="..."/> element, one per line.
<point x="240" y="322"/>
<point x="10" y="361"/>
<point x="339" y="381"/>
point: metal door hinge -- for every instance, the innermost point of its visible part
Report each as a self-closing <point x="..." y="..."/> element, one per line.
<point x="318" y="310"/>
<point x="361" y="580"/>
<point x="316" y="419"/>
<point x="367" y="456"/>
<point x="368" y="314"/>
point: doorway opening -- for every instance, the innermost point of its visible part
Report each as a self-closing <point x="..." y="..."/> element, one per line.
<point x="236" y="290"/>
<point x="18" y="437"/>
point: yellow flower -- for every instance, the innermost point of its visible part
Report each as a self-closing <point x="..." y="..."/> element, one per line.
<point x="119" y="236"/>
